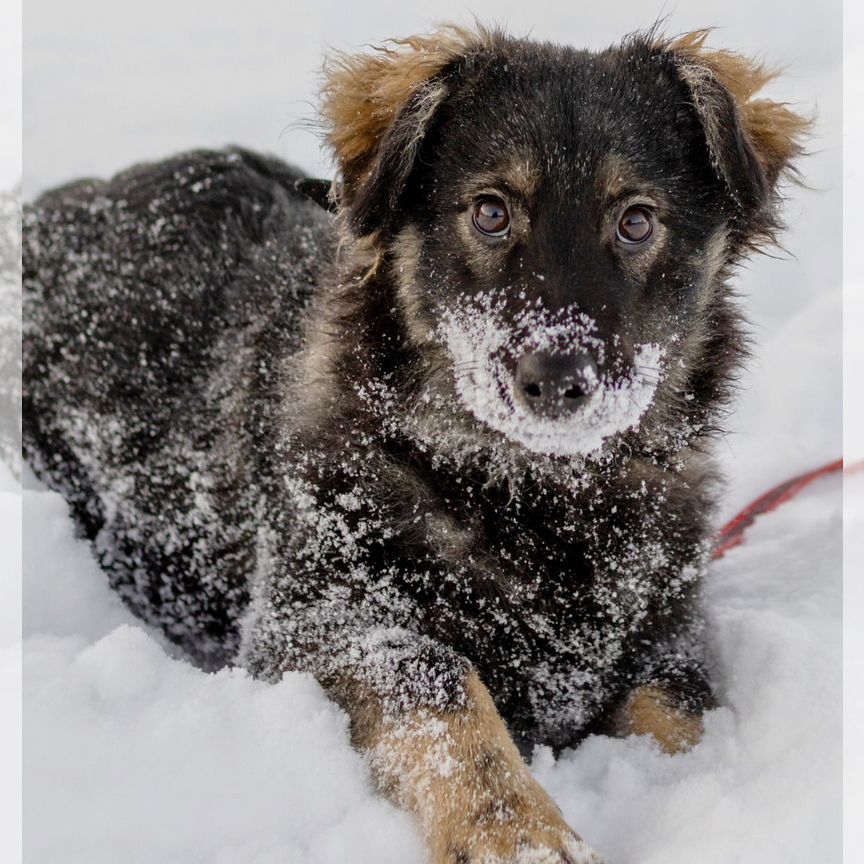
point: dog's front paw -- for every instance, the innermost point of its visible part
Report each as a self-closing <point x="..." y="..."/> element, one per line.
<point x="513" y="844"/>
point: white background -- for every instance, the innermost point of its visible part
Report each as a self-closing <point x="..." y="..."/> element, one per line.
<point x="853" y="410"/>
<point x="10" y="97"/>
<point x="10" y="501"/>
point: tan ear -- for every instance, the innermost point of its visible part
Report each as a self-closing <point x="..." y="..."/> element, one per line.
<point x="773" y="131"/>
<point x="387" y="97"/>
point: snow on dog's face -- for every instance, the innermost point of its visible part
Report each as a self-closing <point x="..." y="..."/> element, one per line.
<point x="558" y="225"/>
<point x="542" y="380"/>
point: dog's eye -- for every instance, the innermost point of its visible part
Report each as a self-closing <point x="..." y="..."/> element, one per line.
<point x="491" y="217"/>
<point x="635" y="226"/>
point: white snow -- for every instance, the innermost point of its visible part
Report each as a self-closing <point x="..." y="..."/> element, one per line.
<point x="132" y="755"/>
<point x="476" y="335"/>
<point x="10" y="93"/>
<point x="10" y="666"/>
<point x="853" y="441"/>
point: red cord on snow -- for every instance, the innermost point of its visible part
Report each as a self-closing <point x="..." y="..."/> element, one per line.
<point x="732" y="533"/>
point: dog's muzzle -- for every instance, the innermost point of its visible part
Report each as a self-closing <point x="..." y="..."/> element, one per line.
<point x="556" y="385"/>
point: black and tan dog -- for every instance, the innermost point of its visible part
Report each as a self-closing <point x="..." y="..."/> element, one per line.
<point x="446" y="449"/>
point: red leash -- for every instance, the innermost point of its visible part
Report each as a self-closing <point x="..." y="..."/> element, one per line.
<point x="732" y="533"/>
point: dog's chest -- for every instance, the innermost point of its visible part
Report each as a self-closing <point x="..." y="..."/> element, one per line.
<point x="559" y="565"/>
<point x="546" y="593"/>
<point x="552" y="603"/>
<point x="554" y="595"/>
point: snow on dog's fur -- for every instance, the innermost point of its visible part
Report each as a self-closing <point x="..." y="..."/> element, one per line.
<point x="446" y="451"/>
<point x="475" y="340"/>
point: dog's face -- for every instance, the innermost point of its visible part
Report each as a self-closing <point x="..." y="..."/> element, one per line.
<point x="558" y="223"/>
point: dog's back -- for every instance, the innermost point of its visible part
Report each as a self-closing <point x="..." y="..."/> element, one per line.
<point x="147" y="300"/>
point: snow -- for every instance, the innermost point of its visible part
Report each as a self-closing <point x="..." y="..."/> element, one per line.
<point x="131" y="754"/>
<point x="853" y="656"/>
<point x="10" y="666"/>
<point x="143" y="744"/>
<point x="853" y="441"/>
<point x="230" y="769"/>
<point x="10" y="94"/>
<point x="10" y="331"/>
<point x="121" y="737"/>
<point x="10" y="518"/>
<point x="477" y="336"/>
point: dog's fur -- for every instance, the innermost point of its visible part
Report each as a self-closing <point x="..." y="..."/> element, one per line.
<point x="278" y="428"/>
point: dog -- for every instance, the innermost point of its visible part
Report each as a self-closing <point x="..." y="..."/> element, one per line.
<point x="446" y="448"/>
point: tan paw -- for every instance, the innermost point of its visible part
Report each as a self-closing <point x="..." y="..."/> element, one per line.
<point x="653" y="711"/>
<point x="461" y="774"/>
<point x="514" y="845"/>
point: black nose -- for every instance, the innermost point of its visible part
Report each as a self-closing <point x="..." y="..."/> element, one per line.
<point x="555" y="385"/>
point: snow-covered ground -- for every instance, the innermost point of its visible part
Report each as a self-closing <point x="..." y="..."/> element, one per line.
<point x="853" y="442"/>
<point x="133" y="755"/>
<point x="10" y="93"/>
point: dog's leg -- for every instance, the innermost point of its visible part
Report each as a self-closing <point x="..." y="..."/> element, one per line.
<point x="437" y="747"/>
<point x="659" y="711"/>
<point x="459" y="771"/>
<point x="669" y="693"/>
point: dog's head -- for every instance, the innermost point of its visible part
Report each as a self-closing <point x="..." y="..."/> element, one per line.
<point x="559" y="224"/>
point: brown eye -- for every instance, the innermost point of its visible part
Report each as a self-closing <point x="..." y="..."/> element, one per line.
<point x="491" y="217"/>
<point x="635" y="226"/>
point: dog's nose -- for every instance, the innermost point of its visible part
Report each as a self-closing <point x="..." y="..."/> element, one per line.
<point x="555" y="385"/>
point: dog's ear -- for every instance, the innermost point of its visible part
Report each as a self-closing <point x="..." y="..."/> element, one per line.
<point x="377" y="108"/>
<point x="752" y="143"/>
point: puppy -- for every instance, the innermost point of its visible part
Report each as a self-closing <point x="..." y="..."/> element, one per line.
<point x="446" y="450"/>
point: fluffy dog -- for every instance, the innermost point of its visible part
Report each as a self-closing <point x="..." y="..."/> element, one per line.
<point x="447" y="449"/>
